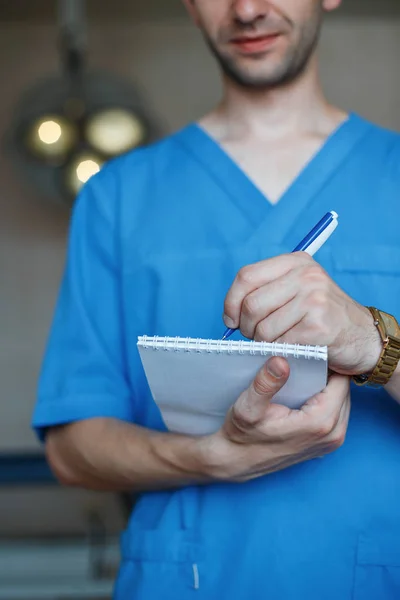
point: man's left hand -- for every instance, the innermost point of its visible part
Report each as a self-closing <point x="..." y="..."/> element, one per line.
<point x="292" y="299"/>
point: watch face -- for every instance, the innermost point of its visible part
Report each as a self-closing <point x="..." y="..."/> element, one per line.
<point x="391" y="325"/>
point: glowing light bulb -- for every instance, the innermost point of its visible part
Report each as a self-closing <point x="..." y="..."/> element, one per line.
<point x="86" y="169"/>
<point x="51" y="138"/>
<point x="81" y="169"/>
<point x="114" y="131"/>
<point x="49" y="132"/>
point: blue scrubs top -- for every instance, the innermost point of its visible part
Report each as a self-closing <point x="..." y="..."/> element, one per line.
<point x="156" y="240"/>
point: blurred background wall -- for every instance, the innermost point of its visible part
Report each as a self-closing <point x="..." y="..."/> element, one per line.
<point x="153" y="44"/>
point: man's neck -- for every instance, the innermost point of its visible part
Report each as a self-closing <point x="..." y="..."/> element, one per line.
<point x="294" y="109"/>
<point x="272" y="135"/>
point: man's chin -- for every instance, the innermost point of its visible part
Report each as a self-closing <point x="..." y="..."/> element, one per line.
<point x="253" y="79"/>
<point x="262" y="72"/>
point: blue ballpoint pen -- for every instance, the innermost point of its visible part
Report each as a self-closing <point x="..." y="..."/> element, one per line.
<point x="311" y="243"/>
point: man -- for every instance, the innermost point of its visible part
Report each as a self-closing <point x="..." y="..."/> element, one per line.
<point x="156" y="240"/>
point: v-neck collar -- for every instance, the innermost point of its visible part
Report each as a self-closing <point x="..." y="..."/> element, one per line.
<point x="249" y="198"/>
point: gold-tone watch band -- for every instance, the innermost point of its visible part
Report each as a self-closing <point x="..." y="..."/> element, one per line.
<point x="388" y="360"/>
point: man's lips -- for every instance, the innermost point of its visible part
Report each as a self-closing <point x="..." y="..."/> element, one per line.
<point x="254" y="45"/>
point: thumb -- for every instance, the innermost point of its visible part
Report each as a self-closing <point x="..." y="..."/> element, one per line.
<point x="251" y="405"/>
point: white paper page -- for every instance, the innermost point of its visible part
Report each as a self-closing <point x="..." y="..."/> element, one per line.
<point x="194" y="390"/>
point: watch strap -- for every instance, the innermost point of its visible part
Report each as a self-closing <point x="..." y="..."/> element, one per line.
<point x="388" y="360"/>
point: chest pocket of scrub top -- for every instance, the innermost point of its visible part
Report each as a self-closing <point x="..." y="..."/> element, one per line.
<point x="377" y="574"/>
<point x="370" y="274"/>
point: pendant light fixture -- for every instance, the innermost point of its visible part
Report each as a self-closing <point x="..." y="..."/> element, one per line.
<point x="68" y="126"/>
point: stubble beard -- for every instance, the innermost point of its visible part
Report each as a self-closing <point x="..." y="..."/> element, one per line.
<point x="291" y="67"/>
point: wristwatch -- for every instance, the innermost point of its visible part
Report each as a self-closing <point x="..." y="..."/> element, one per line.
<point x="389" y="330"/>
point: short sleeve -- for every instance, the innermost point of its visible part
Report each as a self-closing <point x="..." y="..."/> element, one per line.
<point x="84" y="373"/>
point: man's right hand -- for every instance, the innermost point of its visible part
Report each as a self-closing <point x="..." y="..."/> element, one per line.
<point x="260" y="437"/>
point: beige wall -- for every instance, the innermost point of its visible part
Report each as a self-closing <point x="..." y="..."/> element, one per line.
<point x="359" y="64"/>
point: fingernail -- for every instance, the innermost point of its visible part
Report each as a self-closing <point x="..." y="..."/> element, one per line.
<point x="275" y="370"/>
<point x="228" y="322"/>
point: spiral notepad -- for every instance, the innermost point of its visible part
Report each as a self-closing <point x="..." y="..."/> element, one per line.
<point x="194" y="382"/>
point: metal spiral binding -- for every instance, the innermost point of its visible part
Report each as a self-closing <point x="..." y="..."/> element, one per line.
<point x="198" y="345"/>
<point x="209" y="347"/>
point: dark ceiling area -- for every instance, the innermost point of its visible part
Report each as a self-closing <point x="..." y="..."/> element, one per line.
<point x="46" y="10"/>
